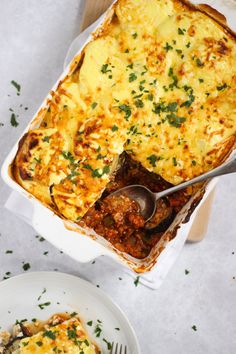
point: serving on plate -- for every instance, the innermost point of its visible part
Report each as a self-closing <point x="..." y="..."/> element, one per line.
<point x="150" y="105"/>
<point x="56" y="310"/>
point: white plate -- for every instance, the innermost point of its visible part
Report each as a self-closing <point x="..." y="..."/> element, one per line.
<point x="19" y="300"/>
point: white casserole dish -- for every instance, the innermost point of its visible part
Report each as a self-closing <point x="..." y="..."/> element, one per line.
<point x="80" y="244"/>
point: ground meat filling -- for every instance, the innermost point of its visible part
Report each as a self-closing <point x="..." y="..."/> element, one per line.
<point x="118" y="219"/>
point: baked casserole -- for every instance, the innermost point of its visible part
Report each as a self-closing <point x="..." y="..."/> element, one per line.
<point x="150" y="100"/>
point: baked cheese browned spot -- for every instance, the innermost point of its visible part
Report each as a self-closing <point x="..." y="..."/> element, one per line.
<point x="159" y="83"/>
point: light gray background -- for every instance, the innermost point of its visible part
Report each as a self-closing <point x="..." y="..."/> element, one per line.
<point x="34" y="38"/>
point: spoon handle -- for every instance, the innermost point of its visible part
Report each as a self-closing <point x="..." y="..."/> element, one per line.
<point x="226" y="168"/>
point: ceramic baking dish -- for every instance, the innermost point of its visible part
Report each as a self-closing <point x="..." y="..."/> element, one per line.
<point x="82" y="244"/>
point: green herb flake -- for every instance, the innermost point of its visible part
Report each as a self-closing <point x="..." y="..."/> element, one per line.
<point x="186" y="271"/>
<point x="94" y="105"/>
<point x="174" y="120"/>
<point x="174" y="161"/>
<point x="46" y="139"/>
<point x="199" y="63"/>
<point x="168" y="47"/>
<point x="109" y="345"/>
<point x="26" y="266"/>
<point x="105" y="69"/>
<point x="90" y="323"/>
<point x="222" y="87"/>
<point x="136" y="281"/>
<point x="201" y="80"/>
<point x="45" y="304"/>
<point x="50" y="334"/>
<point x="188" y="45"/>
<point x="135" y="35"/>
<point x="194" y="162"/>
<point x="16" y="85"/>
<point x="126" y="109"/>
<point x="14" y="122"/>
<point x="139" y="103"/>
<point x="114" y="128"/>
<point x="9" y="252"/>
<point x="132" y="77"/>
<point x="39" y="343"/>
<point x="194" y="328"/>
<point x="181" y="31"/>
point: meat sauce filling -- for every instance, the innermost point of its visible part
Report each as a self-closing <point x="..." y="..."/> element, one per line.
<point x="118" y="219"/>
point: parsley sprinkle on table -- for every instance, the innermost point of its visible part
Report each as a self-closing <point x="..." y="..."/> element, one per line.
<point x="136" y="282"/>
<point x="17" y="86"/>
<point x="42" y="306"/>
<point x="26" y="266"/>
<point x="14" y="122"/>
<point x="194" y="328"/>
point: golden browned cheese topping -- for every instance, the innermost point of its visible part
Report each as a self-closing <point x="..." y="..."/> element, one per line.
<point x="67" y="337"/>
<point x="159" y="83"/>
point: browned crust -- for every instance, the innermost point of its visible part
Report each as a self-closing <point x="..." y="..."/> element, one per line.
<point x="76" y="64"/>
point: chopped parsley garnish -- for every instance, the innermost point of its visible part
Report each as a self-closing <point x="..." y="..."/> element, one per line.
<point x="152" y="159"/>
<point x="114" y="128"/>
<point x="126" y="109"/>
<point x="199" y="62"/>
<point x="97" y="172"/>
<point x="194" y="328"/>
<point x="174" y="161"/>
<point x="16" y="85"/>
<point x="109" y="345"/>
<point x="37" y="160"/>
<point x="168" y="47"/>
<point x="174" y="120"/>
<point x="26" y="266"/>
<point x="181" y="31"/>
<point x="105" y="69"/>
<point x="188" y="45"/>
<point x="150" y="97"/>
<point x="73" y="314"/>
<point x="135" y="35"/>
<point x="39" y="343"/>
<point x="50" y="334"/>
<point x="189" y="101"/>
<point x="43" y="292"/>
<point x="68" y="156"/>
<point x="46" y="139"/>
<point x="194" y="162"/>
<point x="90" y="323"/>
<point x="9" y="251"/>
<point x="136" y="282"/>
<point x="186" y="271"/>
<point x="222" y="87"/>
<point x="172" y="107"/>
<point x="201" y="80"/>
<point x="42" y="306"/>
<point x="132" y="77"/>
<point x="98" y="329"/>
<point x="94" y="105"/>
<point x="139" y="103"/>
<point x="117" y="329"/>
<point x="173" y="77"/>
<point x="71" y="334"/>
<point x="14" y="122"/>
<point x="130" y="66"/>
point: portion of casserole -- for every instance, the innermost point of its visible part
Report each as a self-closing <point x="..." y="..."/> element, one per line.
<point x="150" y="100"/>
<point x="60" y="334"/>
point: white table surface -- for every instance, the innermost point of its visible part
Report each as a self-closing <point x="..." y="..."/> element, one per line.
<point x="34" y="37"/>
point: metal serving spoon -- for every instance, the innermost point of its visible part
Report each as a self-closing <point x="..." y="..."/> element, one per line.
<point x="147" y="199"/>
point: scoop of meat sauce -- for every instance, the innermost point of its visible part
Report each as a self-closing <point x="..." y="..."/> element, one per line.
<point x="118" y="219"/>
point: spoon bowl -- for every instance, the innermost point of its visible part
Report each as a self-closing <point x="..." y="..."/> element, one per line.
<point x="147" y="199"/>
